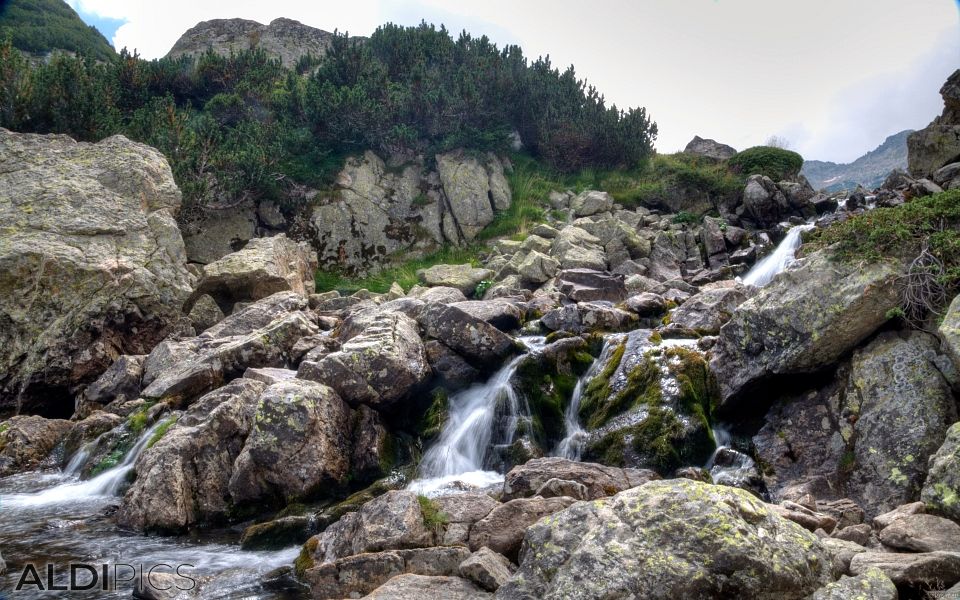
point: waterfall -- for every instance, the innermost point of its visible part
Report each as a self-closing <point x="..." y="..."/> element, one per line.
<point x="105" y="484"/>
<point x="460" y="454"/>
<point x="727" y="465"/>
<point x="765" y="270"/>
<point x="571" y="446"/>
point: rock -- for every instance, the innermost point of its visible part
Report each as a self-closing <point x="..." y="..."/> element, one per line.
<point x="269" y="375"/>
<point x="939" y="143"/>
<point x="804" y="517"/>
<point x="574" y="248"/>
<point x="473" y="191"/>
<point x="647" y="304"/>
<point x="922" y="533"/>
<point x="545" y="231"/>
<point x="462" y="511"/>
<point x="298" y="443"/>
<point x="92" y="265"/>
<point x="941" y="489"/>
<point x="586" y="317"/>
<point x="925" y="570"/>
<point x="858" y="534"/>
<point x="948" y="177"/>
<point x="3" y="565"/>
<point x="418" y="587"/>
<point x="846" y="512"/>
<point x="780" y="330"/>
<point x="763" y="202"/>
<point x="873" y="584"/>
<point x="502" y="530"/>
<point x="276" y="534"/>
<point x="462" y="277"/>
<point x="502" y="314"/>
<point x="363" y="573"/>
<point x="591" y="202"/>
<point x="668" y="253"/>
<point x="454" y="372"/>
<point x="439" y="295"/>
<point x="379" y="367"/>
<point x="888" y="518"/>
<point x="599" y="480"/>
<point x="587" y="285"/>
<point x="392" y="521"/>
<point x="183" y="479"/>
<point x="283" y="39"/>
<point x="26" y="441"/>
<point x="707" y="311"/>
<point x="487" y="569"/>
<point x="120" y="382"/>
<point x="699" y="146"/>
<point x="245" y="321"/>
<point x="950" y="331"/>
<point x="212" y="232"/>
<point x="205" y="313"/>
<point x="480" y="343"/>
<point x="650" y="542"/>
<point x="537" y="267"/>
<point x="263" y="267"/>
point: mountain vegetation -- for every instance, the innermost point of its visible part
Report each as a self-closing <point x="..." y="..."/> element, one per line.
<point x="869" y="170"/>
<point x="41" y="26"/>
<point x="244" y="125"/>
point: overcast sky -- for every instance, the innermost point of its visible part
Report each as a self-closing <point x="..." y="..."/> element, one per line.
<point x="833" y="77"/>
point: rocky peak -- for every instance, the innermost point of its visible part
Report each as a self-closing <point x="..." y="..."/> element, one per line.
<point x="709" y="148"/>
<point x="285" y="39"/>
<point x="939" y="143"/>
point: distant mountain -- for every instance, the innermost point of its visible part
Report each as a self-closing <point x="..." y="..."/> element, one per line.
<point x="869" y="170"/>
<point x="39" y="27"/>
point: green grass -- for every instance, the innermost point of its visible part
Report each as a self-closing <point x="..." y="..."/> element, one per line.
<point x="900" y="233"/>
<point x="433" y="518"/>
<point x="137" y="421"/>
<point x="404" y="273"/>
<point x="162" y="430"/>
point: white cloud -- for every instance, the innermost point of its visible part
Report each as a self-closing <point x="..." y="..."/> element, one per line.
<point x="836" y="76"/>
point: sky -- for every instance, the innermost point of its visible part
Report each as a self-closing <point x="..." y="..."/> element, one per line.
<point x="832" y="77"/>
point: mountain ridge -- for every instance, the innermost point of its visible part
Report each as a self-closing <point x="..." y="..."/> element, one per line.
<point x="869" y="170"/>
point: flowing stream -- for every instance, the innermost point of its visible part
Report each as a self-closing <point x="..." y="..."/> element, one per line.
<point x="480" y="418"/>
<point x="764" y="271"/>
<point x="55" y="518"/>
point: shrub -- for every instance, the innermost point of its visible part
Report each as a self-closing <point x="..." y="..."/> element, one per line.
<point x="776" y="163"/>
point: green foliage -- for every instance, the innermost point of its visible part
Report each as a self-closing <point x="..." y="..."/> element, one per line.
<point x="900" y="233"/>
<point x="433" y="517"/>
<point x="404" y="273"/>
<point x="111" y="460"/>
<point x="137" y="421"/>
<point x="776" y="163"/>
<point x="436" y="415"/>
<point x="686" y="218"/>
<point x="162" y="430"/>
<point x="482" y="288"/>
<point x="896" y="313"/>
<point x="547" y="387"/>
<point x="40" y="26"/>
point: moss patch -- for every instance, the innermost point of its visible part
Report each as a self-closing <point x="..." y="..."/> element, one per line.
<point x="433" y="517"/>
<point x="162" y="430"/>
<point x="304" y="560"/>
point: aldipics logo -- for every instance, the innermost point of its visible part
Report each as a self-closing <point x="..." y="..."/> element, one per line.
<point x="79" y="577"/>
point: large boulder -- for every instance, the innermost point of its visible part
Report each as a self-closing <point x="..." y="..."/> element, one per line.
<point x="212" y="232"/>
<point x="298" y="443"/>
<point x="588" y="285"/>
<point x="379" y="367"/>
<point x="926" y="570"/>
<point x="598" y="480"/>
<point x="669" y="539"/>
<point x="939" y="143"/>
<point x="92" y="264"/>
<point x="763" y="202"/>
<point x="474" y="189"/>
<point x="26" y="441"/>
<point x="922" y="533"/>
<point x="463" y="277"/>
<point x="478" y="341"/>
<point x="872" y="584"/>
<point x="502" y="530"/>
<point x="575" y="248"/>
<point x="184" y="478"/>
<point x="941" y="489"/>
<point x="699" y="146"/>
<point x="283" y="39"/>
<point x="591" y="202"/>
<point x="263" y="267"/>
<point x="417" y="587"/>
<point x="707" y="311"/>
<point x="804" y="320"/>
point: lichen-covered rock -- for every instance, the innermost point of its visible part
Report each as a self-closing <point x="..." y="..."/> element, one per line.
<point x="419" y="587"/>
<point x="537" y="267"/>
<point x="378" y="367"/>
<point x="699" y="146"/>
<point x="462" y="277"/>
<point x="763" y="202"/>
<point x="120" y="382"/>
<point x="501" y="313"/>
<point x="575" y="248"/>
<point x="478" y="341"/>
<point x="212" y="232"/>
<point x="183" y="479"/>
<point x="26" y="441"/>
<point x="205" y="313"/>
<point x="591" y="202"/>
<point x="922" y="533"/>
<point x="92" y="264"/>
<point x="283" y="39"/>
<point x="925" y="570"/>
<point x="462" y="511"/>
<point x="939" y="143"/>
<point x="669" y="539"/>
<point x="599" y="480"/>
<point x="474" y="190"/>
<point x="707" y="311"/>
<point x="588" y="285"/>
<point x="502" y="530"/>
<point x="588" y="317"/>
<point x="299" y="442"/>
<point x="941" y="489"/>
<point x="487" y="569"/>
<point x="804" y="320"/>
<point x="950" y="331"/>
<point x="873" y="584"/>
<point x="263" y="267"/>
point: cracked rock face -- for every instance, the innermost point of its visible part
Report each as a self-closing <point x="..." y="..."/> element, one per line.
<point x="92" y="264"/>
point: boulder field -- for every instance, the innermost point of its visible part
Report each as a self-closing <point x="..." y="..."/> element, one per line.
<point x="661" y="430"/>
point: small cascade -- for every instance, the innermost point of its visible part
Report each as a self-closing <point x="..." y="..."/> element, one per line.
<point x="764" y="271"/>
<point x="479" y="418"/>
<point x="571" y="446"/>
<point x="105" y="484"/>
<point x="727" y="465"/>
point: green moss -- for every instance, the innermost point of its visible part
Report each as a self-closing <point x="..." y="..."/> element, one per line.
<point x="433" y="517"/>
<point x="162" y="430"/>
<point x="4" y="427"/>
<point x="436" y="415"/>
<point x="609" y="449"/>
<point x="598" y="404"/>
<point x="776" y="163"/>
<point x="304" y="560"/>
<point x="657" y="439"/>
<point x="112" y="459"/>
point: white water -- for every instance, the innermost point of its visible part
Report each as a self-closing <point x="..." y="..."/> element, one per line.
<point x="458" y="458"/>
<point x="105" y="484"/>
<point x="764" y="271"/>
<point x="738" y="466"/>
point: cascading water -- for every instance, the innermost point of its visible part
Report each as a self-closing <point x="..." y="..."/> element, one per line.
<point x="727" y="465"/>
<point x="764" y="271"/>
<point x="471" y="431"/>
<point x="571" y="446"/>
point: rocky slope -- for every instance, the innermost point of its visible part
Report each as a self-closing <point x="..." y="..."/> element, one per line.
<point x="868" y="171"/>
<point x="646" y="425"/>
<point x="285" y="39"/>
<point x="938" y="145"/>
